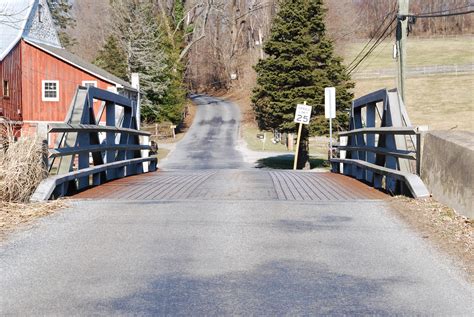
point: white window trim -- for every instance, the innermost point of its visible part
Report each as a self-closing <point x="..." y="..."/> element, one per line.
<point x="43" y="97"/>
<point x="93" y="82"/>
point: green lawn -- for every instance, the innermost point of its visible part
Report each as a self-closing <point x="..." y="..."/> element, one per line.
<point x="420" y="52"/>
<point x="249" y="133"/>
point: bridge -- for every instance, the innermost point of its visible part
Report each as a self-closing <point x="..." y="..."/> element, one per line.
<point x="207" y="234"/>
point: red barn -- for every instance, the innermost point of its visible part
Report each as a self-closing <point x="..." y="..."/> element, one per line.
<point x="38" y="77"/>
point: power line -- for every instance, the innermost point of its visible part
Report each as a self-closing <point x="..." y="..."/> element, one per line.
<point x="446" y="10"/>
<point x="355" y="30"/>
<point x="373" y="37"/>
<point x="381" y="38"/>
<point x="373" y="58"/>
<point x="355" y="68"/>
<point x="424" y="16"/>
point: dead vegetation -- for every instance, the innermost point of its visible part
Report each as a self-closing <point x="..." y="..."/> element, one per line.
<point x="21" y="171"/>
<point x="21" y="167"/>
<point x="17" y="215"/>
<point x="448" y="231"/>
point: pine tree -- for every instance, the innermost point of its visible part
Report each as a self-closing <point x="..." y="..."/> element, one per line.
<point x="138" y="33"/>
<point x="300" y="64"/>
<point x="62" y="18"/>
<point x="112" y="58"/>
<point x="173" y="100"/>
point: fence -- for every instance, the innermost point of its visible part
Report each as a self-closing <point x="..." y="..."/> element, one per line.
<point x="417" y="71"/>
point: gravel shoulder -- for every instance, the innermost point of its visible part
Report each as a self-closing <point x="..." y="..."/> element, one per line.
<point x="442" y="227"/>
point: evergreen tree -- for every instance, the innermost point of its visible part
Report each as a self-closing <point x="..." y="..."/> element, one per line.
<point x="112" y="58"/>
<point x="173" y="100"/>
<point x="300" y="64"/>
<point x="62" y="18"/>
<point x="139" y="35"/>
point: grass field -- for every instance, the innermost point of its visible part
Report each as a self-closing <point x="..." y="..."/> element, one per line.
<point x="249" y="133"/>
<point x="441" y="101"/>
<point x="420" y="52"/>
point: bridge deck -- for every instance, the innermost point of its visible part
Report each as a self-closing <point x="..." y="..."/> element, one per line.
<point x="234" y="185"/>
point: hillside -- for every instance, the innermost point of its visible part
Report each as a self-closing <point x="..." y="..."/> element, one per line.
<point x="232" y="38"/>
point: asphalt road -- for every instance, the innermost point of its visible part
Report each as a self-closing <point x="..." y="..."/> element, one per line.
<point x="211" y="141"/>
<point x="231" y="246"/>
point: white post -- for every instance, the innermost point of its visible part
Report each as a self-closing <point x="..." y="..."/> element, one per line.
<point x="136" y="85"/>
<point x="330" y="111"/>
<point x="330" y="136"/>
<point x="145" y="139"/>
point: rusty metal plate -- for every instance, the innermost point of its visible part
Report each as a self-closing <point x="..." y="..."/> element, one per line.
<point x="234" y="185"/>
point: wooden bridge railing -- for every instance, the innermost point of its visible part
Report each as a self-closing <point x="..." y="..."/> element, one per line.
<point x="381" y="155"/>
<point x="87" y="152"/>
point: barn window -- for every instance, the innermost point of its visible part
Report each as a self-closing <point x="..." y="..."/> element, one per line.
<point x="50" y="90"/>
<point x="89" y="83"/>
<point x="6" y="89"/>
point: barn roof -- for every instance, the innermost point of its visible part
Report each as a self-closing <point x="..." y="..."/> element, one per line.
<point x="20" y="19"/>
<point x="78" y="62"/>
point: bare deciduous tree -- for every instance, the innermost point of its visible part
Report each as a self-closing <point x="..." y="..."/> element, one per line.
<point x="233" y="37"/>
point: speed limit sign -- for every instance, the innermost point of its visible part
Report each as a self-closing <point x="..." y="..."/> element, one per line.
<point x="303" y="114"/>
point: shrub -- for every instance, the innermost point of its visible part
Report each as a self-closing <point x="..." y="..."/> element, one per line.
<point x="21" y="166"/>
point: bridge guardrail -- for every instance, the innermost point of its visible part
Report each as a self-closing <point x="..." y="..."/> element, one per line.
<point x="88" y="153"/>
<point x="381" y="155"/>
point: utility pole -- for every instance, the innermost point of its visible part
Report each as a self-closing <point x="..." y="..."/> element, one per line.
<point x="402" y="24"/>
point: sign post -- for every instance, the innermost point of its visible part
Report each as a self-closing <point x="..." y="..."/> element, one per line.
<point x="302" y="116"/>
<point x="330" y="111"/>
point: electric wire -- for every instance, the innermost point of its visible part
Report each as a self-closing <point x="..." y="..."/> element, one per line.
<point x="355" y="69"/>
<point x="355" y="29"/>
<point x="380" y="39"/>
<point x="373" y="37"/>
<point x="446" y="10"/>
<point x="425" y="16"/>
<point x="358" y="59"/>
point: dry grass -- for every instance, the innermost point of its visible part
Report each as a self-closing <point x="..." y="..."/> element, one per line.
<point x="16" y="215"/>
<point x="441" y="225"/>
<point x="420" y="52"/>
<point x="242" y="98"/>
<point x="21" y="167"/>
<point x="21" y="171"/>
<point x="441" y="102"/>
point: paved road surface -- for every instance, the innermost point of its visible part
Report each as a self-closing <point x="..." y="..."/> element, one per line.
<point x="211" y="141"/>
<point x="237" y="241"/>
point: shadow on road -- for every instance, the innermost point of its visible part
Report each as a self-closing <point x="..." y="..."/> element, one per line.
<point x="274" y="288"/>
<point x="285" y="161"/>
